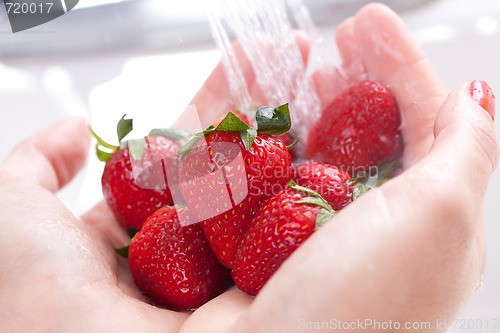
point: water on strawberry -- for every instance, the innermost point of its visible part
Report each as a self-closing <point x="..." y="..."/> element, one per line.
<point x="264" y="31"/>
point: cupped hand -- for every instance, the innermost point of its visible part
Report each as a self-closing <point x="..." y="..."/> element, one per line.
<point x="408" y="251"/>
<point x="411" y="251"/>
<point x="59" y="272"/>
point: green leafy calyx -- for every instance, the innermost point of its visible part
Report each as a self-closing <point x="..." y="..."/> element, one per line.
<point x="232" y="123"/>
<point x="273" y="121"/>
<point x="103" y="149"/>
<point x="131" y="232"/>
<point x="123" y="251"/>
<point x="269" y="121"/>
<point x="172" y="133"/>
<point x="124" y="127"/>
<point x="364" y="182"/>
<point x="136" y="148"/>
<point x="326" y="211"/>
<point x="192" y="141"/>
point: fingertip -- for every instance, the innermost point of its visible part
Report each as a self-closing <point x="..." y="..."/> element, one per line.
<point x="470" y="102"/>
<point x="304" y="43"/>
<point x="376" y="9"/>
<point x="74" y="151"/>
<point x="328" y="83"/>
<point x="53" y="156"/>
<point x="386" y="44"/>
<point x="77" y="129"/>
<point x="482" y="94"/>
<point x="349" y="50"/>
<point x="344" y="34"/>
<point x="464" y="132"/>
<point x="392" y="57"/>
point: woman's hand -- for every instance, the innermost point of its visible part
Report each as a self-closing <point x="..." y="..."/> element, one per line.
<point x="58" y="272"/>
<point x="408" y="251"/>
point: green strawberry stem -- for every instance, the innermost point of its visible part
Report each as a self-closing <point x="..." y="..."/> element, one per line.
<point x="294" y="143"/>
<point x="273" y="121"/>
<point x="326" y="211"/>
<point x="123" y="251"/>
<point x="131" y="232"/>
<point x="124" y="127"/>
<point x="103" y="143"/>
<point x="387" y="170"/>
<point x="359" y="189"/>
<point x="104" y="150"/>
<point x="363" y="182"/>
<point x="269" y="121"/>
<point x="136" y="148"/>
<point x="232" y="123"/>
<point x="172" y="133"/>
<point x="103" y="154"/>
<point x="192" y="141"/>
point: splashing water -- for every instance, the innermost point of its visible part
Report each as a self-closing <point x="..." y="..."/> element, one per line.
<point x="264" y="31"/>
<point x="237" y="83"/>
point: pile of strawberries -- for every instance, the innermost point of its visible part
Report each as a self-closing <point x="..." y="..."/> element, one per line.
<point x="230" y="204"/>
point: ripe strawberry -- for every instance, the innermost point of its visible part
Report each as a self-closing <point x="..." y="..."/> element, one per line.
<point x="136" y="177"/>
<point x="333" y="184"/>
<point x="282" y="224"/>
<point x="229" y="173"/>
<point x="174" y="265"/>
<point x="358" y="130"/>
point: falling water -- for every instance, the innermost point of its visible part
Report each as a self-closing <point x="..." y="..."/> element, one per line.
<point x="264" y="31"/>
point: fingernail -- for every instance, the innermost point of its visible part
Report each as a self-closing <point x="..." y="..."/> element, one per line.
<point x="481" y="93"/>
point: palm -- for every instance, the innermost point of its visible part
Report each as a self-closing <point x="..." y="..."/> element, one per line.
<point x="113" y="274"/>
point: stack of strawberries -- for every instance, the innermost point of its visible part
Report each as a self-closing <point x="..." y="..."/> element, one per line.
<point x="230" y="204"/>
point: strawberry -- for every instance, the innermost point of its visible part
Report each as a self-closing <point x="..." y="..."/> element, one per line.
<point x="228" y="171"/>
<point x="358" y="130"/>
<point x="174" y="265"/>
<point x="281" y="225"/>
<point x="333" y="184"/>
<point x="136" y="177"/>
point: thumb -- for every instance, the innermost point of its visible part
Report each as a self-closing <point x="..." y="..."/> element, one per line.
<point x="52" y="157"/>
<point x="465" y="146"/>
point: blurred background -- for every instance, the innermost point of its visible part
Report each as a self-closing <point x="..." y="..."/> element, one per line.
<point x="148" y="58"/>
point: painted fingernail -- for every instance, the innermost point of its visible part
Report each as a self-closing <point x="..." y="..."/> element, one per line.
<point x="481" y="93"/>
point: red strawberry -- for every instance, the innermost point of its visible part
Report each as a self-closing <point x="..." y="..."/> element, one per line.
<point x="358" y="130"/>
<point x="286" y="138"/>
<point x="333" y="184"/>
<point x="135" y="180"/>
<point x="282" y="224"/>
<point x="227" y="173"/>
<point x="174" y="265"/>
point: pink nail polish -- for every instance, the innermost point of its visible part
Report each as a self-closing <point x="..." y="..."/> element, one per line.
<point x="481" y="93"/>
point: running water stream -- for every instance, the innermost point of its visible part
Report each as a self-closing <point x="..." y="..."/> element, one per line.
<point x="264" y="31"/>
